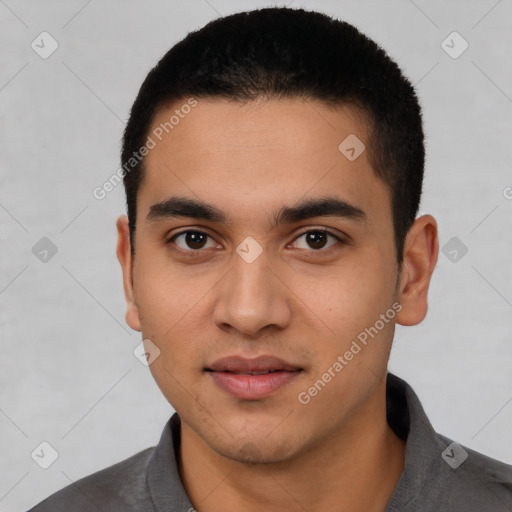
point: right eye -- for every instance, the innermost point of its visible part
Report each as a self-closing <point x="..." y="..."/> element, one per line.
<point x="191" y="241"/>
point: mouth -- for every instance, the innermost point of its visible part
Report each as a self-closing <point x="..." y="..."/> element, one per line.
<point x="252" y="379"/>
<point x="262" y="372"/>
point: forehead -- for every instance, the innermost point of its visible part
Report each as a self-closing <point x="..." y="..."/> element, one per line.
<point x="264" y="153"/>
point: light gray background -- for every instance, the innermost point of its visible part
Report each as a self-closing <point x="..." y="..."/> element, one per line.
<point x="68" y="374"/>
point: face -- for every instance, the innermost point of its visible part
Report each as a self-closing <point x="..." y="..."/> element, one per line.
<point x="279" y="258"/>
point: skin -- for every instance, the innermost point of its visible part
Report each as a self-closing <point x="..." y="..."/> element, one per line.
<point x="297" y="301"/>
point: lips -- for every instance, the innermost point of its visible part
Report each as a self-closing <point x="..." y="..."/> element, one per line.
<point x="262" y="364"/>
<point x="252" y="379"/>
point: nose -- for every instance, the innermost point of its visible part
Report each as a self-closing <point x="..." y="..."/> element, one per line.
<point x="251" y="298"/>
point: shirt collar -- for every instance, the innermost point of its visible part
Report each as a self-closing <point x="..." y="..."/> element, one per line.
<point x="163" y="478"/>
<point x="423" y="448"/>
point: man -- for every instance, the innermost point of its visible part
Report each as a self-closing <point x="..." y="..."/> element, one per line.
<point x="273" y="165"/>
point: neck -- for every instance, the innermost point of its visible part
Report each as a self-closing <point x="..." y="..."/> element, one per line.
<point x="356" y="469"/>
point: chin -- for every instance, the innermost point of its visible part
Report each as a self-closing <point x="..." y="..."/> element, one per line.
<point x="256" y="447"/>
<point x="257" y="453"/>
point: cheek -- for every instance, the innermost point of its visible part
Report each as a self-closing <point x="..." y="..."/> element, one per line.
<point x="354" y="293"/>
<point x="165" y="306"/>
<point x="351" y="303"/>
<point x="179" y="367"/>
<point x="163" y="294"/>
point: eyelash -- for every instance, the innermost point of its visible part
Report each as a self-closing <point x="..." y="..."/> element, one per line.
<point x="323" y="251"/>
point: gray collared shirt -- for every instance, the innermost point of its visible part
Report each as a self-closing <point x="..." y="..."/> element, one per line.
<point x="439" y="475"/>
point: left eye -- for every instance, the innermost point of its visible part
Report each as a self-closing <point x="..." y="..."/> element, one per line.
<point x="317" y="239"/>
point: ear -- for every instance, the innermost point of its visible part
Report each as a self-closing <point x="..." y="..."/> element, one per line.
<point x="124" y="255"/>
<point x="421" y="249"/>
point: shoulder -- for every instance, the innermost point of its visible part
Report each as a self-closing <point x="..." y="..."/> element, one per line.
<point x="440" y="474"/>
<point x="120" y="487"/>
<point x="475" y="479"/>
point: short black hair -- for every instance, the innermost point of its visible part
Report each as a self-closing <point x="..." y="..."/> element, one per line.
<point x="291" y="53"/>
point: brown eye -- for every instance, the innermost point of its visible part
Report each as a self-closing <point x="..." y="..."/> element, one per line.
<point x="190" y="240"/>
<point x="317" y="239"/>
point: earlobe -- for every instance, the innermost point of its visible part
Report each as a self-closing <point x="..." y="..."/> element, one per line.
<point x="124" y="256"/>
<point x="420" y="257"/>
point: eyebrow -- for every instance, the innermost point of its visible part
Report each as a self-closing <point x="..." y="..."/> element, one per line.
<point x="176" y="206"/>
